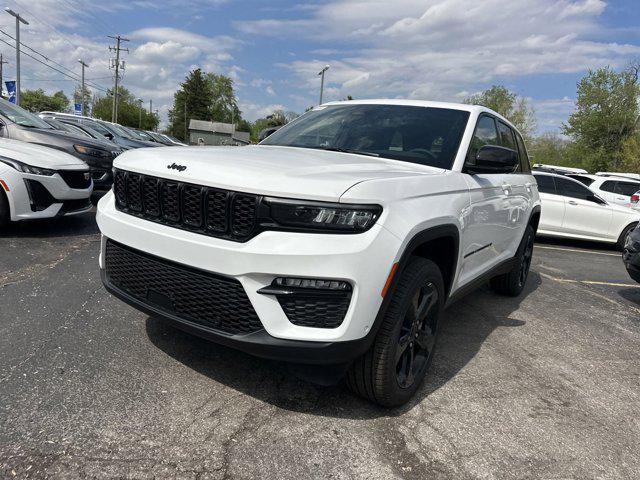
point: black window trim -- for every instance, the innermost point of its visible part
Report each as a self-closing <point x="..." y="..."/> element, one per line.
<point x="495" y="122"/>
<point x="553" y="179"/>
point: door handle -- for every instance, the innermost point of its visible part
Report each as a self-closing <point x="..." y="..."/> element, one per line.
<point x="506" y="187"/>
<point x="573" y="202"/>
<point x="621" y="198"/>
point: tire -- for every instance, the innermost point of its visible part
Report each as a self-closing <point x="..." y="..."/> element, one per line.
<point x="4" y="210"/>
<point x="623" y="236"/>
<point x="393" y="368"/>
<point x="512" y="283"/>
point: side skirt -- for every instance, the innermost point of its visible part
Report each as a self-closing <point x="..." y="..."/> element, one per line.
<point x="500" y="269"/>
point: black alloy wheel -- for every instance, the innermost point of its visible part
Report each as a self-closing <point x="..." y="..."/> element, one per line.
<point x="417" y="335"/>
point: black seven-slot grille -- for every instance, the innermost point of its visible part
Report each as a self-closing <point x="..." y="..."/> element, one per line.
<point x="213" y="301"/>
<point x="205" y="210"/>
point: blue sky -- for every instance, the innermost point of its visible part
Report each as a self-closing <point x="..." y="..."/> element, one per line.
<point x="426" y="49"/>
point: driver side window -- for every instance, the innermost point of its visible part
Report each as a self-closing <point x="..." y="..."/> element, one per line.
<point x="485" y="134"/>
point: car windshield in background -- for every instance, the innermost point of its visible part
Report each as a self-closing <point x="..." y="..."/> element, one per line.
<point x="424" y="135"/>
<point x="22" y="117"/>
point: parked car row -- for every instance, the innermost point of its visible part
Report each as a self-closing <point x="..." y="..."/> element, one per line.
<point x="571" y="210"/>
<point x="50" y="164"/>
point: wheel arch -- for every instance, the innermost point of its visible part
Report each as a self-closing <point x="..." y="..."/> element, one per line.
<point x="534" y="218"/>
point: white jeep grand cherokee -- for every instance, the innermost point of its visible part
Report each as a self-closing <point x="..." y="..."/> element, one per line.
<point x="338" y="240"/>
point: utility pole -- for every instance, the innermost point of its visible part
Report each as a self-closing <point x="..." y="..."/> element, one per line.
<point x="150" y="106"/>
<point x="117" y="49"/>
<point x="82" y="91"/>
<point x="19" y="20"/>
<point x="321" y="73"/>
<point x="2" y="62"/>
<point x="140" y="113"/>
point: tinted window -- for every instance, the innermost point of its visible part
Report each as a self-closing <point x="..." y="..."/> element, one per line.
<point x="573" y="189"/>
<point x="608" y="186"/>
<point x="506" y="136"/>
<point x="424" y="135"/>
<point x="545" y="184"/>
<point x="584" y="180"/>
<point x="627" y="188"/>
<point x="485" y="134"/>
<point x="525" y="166"/>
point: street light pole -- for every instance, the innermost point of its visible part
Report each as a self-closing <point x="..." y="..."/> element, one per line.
<point x="140" y="113"/>
<point x="19" y="20"/>
<point x="321" y="73"/>
<point x="82" y="91"/>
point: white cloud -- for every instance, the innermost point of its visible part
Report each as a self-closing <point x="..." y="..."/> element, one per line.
<point x="253" y="111"/>
<point x="270" y="91"/>
<point x="438" y="48"/>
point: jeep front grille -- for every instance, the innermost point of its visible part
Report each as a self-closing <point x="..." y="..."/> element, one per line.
<point x="209" y="211"/>
<point x="204" y="298"/>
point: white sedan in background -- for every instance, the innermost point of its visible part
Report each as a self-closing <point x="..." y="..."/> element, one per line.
<point x="571" y="210"/>
<point x="41" y="182"/>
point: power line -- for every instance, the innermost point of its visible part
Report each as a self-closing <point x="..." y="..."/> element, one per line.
<point x="47" y="65"/>
<point x="96" y="86"/>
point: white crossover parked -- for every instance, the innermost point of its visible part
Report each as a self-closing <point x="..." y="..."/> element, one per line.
<point x="618" y="190"/>
<point x="41" y="182"/>
<point x="338" y="240"/>
<point x="571" y="210"/>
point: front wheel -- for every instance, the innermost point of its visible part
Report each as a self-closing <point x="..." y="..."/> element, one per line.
<point x="512" y="283"/>
<point x="4" y="210"/>
<point x="623" y="236"/>
<point x="397" y="362"/>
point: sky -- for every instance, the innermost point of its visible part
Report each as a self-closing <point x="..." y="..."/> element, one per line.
<point x="418" y="49"/>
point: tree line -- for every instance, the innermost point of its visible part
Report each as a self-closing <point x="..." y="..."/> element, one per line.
<point x="602" y="133"/>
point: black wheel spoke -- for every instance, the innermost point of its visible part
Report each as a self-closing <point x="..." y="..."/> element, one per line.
<point x="425" y="339"/>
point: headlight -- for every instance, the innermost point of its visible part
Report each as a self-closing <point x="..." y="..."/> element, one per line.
<point x="92" y="152"/>
<point x="323" y="216"/>
<point x="23" y="167"/>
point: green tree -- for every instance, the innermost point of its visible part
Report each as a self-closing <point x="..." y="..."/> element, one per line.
<point x="514" y="108"/>
<point x="549" y="148"/>
<point x="605" y="117"/>
<point x="37" y="101"/>
<point x="191" y="101"/>
<point x="130" y="113"/>
<point x="224" y="104"/>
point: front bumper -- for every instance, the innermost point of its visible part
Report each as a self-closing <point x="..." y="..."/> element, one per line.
<point x="364" y="260"/>
<point x="63" y="199"/>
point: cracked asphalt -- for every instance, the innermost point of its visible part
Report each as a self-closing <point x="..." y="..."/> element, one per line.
<point x="542" y="386"/>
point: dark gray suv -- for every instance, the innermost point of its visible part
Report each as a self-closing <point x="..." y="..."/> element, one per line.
<point x="19" y="124"/>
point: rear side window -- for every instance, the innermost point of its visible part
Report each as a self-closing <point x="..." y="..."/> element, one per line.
<point x="525" y="166"/>
<point x="573" y="189"/>
<point x="608" y="186"/>
<point x="485" y="134"/>
<point x="626" y="188"/>
<point x="546" y="184"/>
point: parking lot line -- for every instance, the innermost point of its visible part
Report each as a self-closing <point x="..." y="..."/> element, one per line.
<point x="579" y="251"/>
<point x="589" y="282"/>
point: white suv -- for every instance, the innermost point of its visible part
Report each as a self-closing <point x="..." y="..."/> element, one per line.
<point x="616" y="190"/>
<point x="338" y="240"/>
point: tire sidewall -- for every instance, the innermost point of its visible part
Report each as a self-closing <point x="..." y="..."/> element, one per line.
<point x="428" y="272"/>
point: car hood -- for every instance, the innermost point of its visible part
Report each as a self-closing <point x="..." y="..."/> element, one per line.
<point x="86" y="141"/>
<point x="268" y="170"/>
<point x="37" y="155"/>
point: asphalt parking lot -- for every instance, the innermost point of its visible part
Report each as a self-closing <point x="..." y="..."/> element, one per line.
<point x="542" y="386"/>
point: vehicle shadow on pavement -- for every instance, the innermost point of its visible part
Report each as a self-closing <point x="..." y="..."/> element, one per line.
<point x="82" y="224"/>
<point x="466" y="326"/>
<point x="630" y="294"/>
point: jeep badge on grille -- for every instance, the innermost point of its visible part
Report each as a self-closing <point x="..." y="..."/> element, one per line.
<point x="174" y="166"/>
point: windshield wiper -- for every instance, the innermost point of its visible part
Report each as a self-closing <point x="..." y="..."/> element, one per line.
<point x="347" y="150"/>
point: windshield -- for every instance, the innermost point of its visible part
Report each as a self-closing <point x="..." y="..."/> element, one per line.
<point x="95" y="126"/>
<point x="424" y="135"/>
<point x="22" y="117"/>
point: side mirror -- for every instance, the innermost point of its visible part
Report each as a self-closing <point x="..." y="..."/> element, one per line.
<point x="494" y="159"/>
<point x="109" y="136"/>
